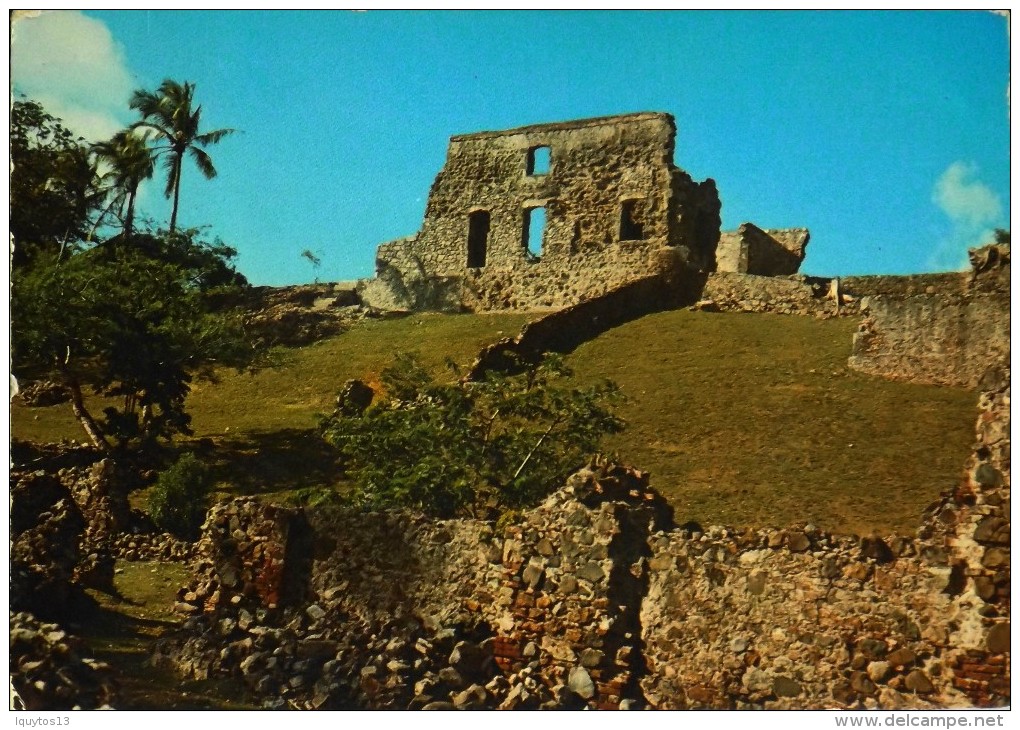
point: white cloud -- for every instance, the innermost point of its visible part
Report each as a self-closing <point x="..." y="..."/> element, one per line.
<point x="970" y="202"/>
<point x="974" y="210"/>
<point x="71" y="65"/>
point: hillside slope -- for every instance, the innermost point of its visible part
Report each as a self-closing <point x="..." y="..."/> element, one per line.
<point x="751" y="419"/>
<point x="742" y="419"/>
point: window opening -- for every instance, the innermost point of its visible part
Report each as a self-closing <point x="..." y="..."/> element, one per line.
<point x="534" y="232"/>
<point x="630" y="227"/>
<point x="539" y="159"/>
<point x="478" y="238"/>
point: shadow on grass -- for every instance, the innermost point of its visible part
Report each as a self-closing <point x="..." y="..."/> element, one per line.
<point x="110" y="625"/>
<point x="124" y="641"/>
<point x="261" y="463"/>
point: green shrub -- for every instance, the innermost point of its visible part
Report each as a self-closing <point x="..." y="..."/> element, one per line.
<point x="179" y="499"/>
<point x="470" y="447"/>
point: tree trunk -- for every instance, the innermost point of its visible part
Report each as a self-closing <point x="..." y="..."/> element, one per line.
<point x="130" y="219"/>
<point x="85" y="418"/>
<point x="534" y="448"/>
<point x="177" y="191"/>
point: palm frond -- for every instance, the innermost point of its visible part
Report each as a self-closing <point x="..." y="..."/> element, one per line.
<point x="204" y="162"/>
<point x="213" y="137"/>
<point x="161" y="132"/>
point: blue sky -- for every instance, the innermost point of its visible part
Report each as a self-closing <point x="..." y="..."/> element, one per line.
<point x="885" y="133"/>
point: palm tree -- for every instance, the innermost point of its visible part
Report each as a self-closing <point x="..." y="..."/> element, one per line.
<point x="130" y="161"/>
<point x="168" y="113"/>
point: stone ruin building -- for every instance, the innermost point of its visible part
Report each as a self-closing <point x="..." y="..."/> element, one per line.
<point x="772" y="252"/>
<point x="611" y="205"/>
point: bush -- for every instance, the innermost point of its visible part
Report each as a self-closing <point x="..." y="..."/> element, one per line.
<point x="179" y="499"/>
<point x="470" y="447"/>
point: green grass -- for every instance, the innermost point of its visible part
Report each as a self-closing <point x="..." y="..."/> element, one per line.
<point x="305" y="381"/>
<point x="742" y="419"/>
<point x="755" y="419"/>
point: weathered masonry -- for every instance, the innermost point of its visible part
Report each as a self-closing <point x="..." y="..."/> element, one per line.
<point x="551" y="215"/>
<point x="751" y="250"/>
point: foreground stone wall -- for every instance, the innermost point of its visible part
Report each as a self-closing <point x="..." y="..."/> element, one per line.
<point x="614" y="205"/>
<point x="594" y="599"/>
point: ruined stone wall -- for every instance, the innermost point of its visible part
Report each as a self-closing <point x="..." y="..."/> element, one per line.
<point x="593" y="598"/>
<point x="752" y="250"/>
<point x="565" y="329"/>
<point x="946" y="329"/>
<point x="613" y="202"/>
<point x="899" y="287"/>
<point x="726" y="291"/>
<point x="799" y="618"/>
<point x="932" y="339"/>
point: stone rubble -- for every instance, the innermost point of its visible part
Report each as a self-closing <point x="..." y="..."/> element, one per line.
<point x="293" y="316"/>
<point x="50" y="670"/>
<point x="42" y="393"/>
<point x="46" y="528"/>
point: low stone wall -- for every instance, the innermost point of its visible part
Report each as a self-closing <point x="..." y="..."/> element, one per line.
<point x="734" y="292"/>
<point x="898" y="287"/>
<point x="565" y="329"/>
<point x="946" y="329"/>
<point x="933" y="339"/>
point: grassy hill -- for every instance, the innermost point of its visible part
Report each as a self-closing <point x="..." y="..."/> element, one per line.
<point x="751" y="419"/>
<point x="742" y="419"/>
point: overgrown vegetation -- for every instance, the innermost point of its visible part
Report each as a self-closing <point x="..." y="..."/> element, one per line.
<point x="453" y="448"/>
<point x="135" y="315"/>
<point x="180" y="497"/>
<point x="137" y="322"/>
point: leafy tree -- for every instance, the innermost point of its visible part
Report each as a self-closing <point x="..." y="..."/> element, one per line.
<point x="1002" y="236"/>
<point x="168" y="113"/>
<point x="54" y="188"/>
<point x="450" y="448"/>
<point x="135" y="320"/>
<point x="130" y="162"/>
